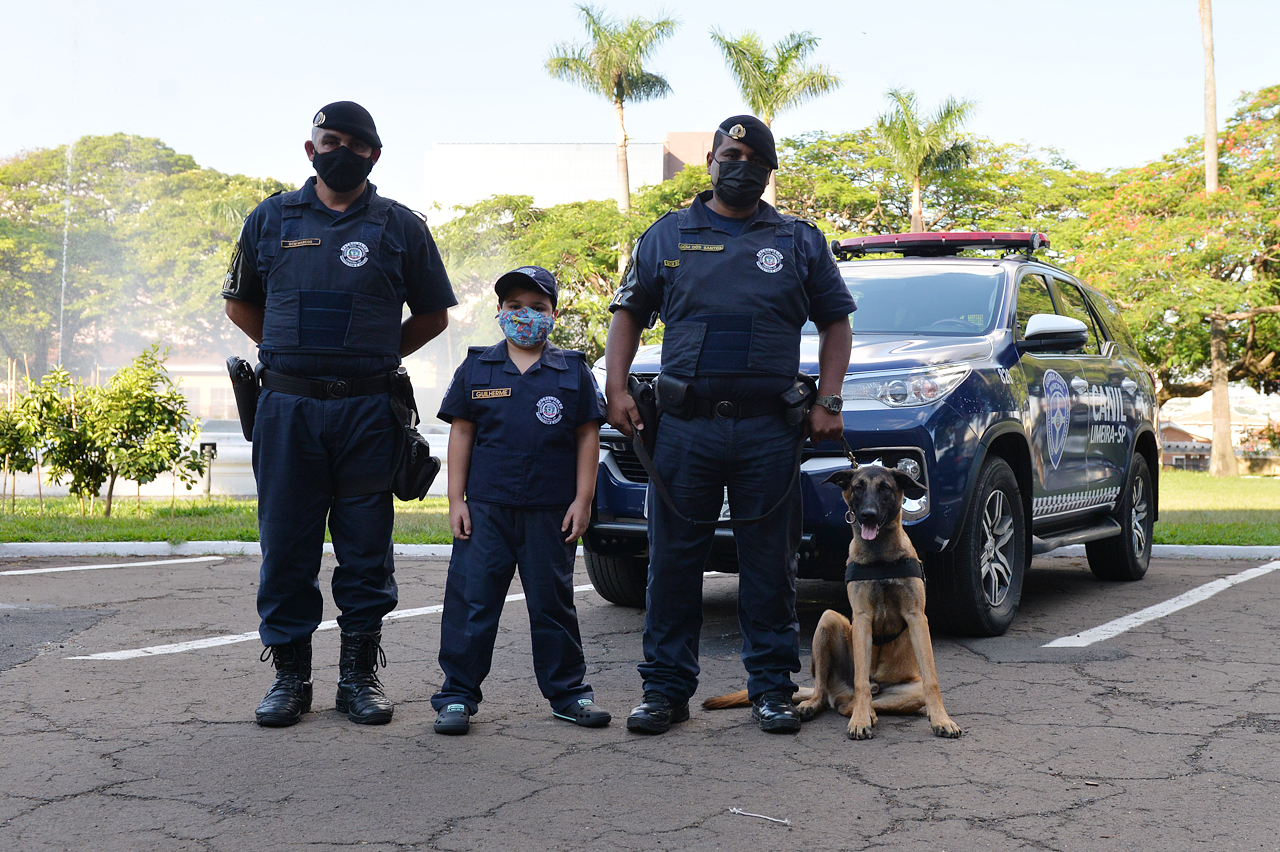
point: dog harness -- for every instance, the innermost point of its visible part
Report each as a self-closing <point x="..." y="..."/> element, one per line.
<point x="902" y="568"/>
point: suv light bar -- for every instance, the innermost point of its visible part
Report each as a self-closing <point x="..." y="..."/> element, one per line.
<point x="938" y="244"/>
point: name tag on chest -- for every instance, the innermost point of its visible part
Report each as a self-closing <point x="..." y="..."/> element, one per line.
<point x="700" y="247"/>
<point x="490" y="393"/>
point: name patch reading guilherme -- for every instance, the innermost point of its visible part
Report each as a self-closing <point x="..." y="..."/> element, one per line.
<point x="490" y="393"/>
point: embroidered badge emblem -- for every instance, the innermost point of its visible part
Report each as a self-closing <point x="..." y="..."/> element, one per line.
<point x="737" y="131"/>
<point x="1057" y="405"/>
<point x="769" y="260"/>
<point x="355" y="254"/>
<point x="550" y="410"/>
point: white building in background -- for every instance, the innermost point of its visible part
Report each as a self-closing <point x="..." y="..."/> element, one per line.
<point x="459" y="173"/>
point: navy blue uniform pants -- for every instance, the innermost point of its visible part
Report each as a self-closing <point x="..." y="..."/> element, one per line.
<point x="697" y="459"/>
<point x="480" y="573"/>
<point x="303" y="449"/>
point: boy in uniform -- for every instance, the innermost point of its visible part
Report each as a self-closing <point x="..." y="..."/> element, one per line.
<point x="523" y="455"/>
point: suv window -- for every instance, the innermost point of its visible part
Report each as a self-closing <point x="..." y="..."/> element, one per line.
<point x="1033" y="298"/>
<point x="1109" y="314"/>
<point x="1074" y="305"/>
<point x="932" y="299"/>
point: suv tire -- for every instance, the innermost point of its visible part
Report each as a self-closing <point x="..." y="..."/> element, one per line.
<point x="1126" y="556"/>
<point x="618" y="579"/>
<point x="975" y="589"/>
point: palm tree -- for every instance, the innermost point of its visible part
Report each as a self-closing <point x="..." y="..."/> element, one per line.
<point x="612" y="65"/>
<point x="774" y="82"/>
<point x="920" y="147"/>
<point x="1210" y="100"/>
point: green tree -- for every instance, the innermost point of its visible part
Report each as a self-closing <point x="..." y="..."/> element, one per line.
<point x="924" y="146"/>
<point x="63" y="408"/>
<point x="611" y="65"/>
<point x="1195" y="271"/>
<point x="774" y="80"/>
<point x="17" y="446"/>
<point x="141" y="423"/>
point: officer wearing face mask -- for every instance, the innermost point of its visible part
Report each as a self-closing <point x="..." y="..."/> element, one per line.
<point x="733" y="281"/>
<point x="319" y="281"/>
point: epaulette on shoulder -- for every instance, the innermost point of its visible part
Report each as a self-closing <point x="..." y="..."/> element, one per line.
<point x="422" y="217"/>
<point x="477" y="349"/>
<point x="808" y="222"/>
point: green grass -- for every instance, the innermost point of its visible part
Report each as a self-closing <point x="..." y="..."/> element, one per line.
<point x="1195" y="508"/>
<point x="219" y="519"/>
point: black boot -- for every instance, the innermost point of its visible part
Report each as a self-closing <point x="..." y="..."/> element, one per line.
<point x="290" y="695"/>
<point x="360" y="694"/>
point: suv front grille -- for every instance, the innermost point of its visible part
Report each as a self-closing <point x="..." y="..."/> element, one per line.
<point x="628" y="462"/>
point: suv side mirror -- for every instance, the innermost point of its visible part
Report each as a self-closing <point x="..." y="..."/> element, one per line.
<point x="1053" y="333"/>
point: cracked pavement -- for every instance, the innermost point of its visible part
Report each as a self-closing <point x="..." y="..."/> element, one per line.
<point x="1161" y="738"/>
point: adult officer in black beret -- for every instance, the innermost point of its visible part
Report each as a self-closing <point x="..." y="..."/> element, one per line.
<point x="319" y="281"/>
<point x="734" y="281"/>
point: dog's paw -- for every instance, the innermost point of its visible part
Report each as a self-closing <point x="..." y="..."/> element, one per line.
<point x="808" y="709"/>
<point x="860" y="732"/>
<point x="946" y="728"/>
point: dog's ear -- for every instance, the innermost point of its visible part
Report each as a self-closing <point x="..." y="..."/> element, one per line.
<point x="910" y="488"/>
<point x="841" y="478"/>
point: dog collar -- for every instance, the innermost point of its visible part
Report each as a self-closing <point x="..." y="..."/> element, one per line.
<point x="899" y="569"/>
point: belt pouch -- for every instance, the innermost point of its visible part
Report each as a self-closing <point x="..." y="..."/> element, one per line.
<point x="673" y="396"/>
<point x="798" y="399"/>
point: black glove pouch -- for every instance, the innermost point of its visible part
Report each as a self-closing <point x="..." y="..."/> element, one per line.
<point x="674" y="396"/>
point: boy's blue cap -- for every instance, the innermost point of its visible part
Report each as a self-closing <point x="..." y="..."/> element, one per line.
<point x="529" y="278"/>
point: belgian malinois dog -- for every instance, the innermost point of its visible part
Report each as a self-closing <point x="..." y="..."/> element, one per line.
<point x="881" y="661"/>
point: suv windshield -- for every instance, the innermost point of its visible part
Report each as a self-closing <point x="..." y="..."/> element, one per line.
<point x="895" y="298"/>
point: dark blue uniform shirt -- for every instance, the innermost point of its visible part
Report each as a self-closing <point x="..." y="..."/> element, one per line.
<point x="733" y="304"/>
<point x="334" y="283"/>
<point x="526" y="423"/>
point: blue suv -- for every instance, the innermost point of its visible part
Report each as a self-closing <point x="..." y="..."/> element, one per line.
<point x="1012" y="391"/>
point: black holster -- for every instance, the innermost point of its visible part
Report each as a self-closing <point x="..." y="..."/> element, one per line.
<point x="647" y="404"/>
<point x="245" y="386"/>
<point x="413" y="468"/>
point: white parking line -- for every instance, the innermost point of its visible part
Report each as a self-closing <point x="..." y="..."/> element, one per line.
<point x="109" y="565"/>
<point x="1160" y="610"/>
<point x="216" y="641"/>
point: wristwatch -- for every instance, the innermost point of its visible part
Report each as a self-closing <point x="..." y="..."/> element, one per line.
<point x="833" y="403"/>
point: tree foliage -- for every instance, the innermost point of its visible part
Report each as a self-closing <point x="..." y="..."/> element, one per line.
<point x="921" y="147"/>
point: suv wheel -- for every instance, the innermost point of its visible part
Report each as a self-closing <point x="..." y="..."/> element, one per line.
<point x="1126" y="556"/>
<point x="975" y="592"/>
<point x="618" y="579"/>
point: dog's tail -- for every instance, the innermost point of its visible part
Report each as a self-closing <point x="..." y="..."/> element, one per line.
<point x="741" y="699"/>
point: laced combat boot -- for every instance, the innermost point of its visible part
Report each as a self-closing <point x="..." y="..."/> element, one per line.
<point x="290" y="695"/>
<point x="360" y="693"/>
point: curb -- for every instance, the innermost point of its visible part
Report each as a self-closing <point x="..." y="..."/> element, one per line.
<point x="444" y="551"/>
<point x="190" y="548"/>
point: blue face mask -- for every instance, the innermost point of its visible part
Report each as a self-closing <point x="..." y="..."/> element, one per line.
<point x="526" y="327"/>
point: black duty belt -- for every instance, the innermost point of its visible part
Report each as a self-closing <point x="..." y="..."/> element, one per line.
<point x="323" y="389"/>
<point x="736" y="409"/>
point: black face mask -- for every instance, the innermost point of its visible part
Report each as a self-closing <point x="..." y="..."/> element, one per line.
<point x="740" y="184"/>
<point x="342" y="169"/>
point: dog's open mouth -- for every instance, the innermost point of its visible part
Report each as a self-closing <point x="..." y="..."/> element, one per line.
<point x="869" y="531"/>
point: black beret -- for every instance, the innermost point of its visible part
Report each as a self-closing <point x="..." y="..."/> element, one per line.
<point x="753" y="132"/>
<point x="348" y="117"/>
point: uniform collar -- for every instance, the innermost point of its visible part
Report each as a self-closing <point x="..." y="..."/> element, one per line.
<point x="698" y="217"/>
<point x="552" y="356"/>
<point x="308" y="196"/>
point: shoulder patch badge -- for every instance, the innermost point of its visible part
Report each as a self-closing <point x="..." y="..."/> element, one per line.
<point x="490" y="393"/>
<point x="355" y="254"/>
<point x="769" y="259"/>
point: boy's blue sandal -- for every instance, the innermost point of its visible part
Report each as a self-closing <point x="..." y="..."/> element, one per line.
<point x="584" y="713"/>
<point x="453" y="719"/>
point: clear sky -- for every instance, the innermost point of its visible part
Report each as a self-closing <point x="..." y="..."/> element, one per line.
<point x="1109" y="83"/>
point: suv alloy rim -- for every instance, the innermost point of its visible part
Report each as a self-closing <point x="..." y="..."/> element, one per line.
<point x="997" y="547"/>
<point x="1138" y="517"/>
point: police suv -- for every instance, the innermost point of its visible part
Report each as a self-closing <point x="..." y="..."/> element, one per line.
<point x="1012" y="391"/>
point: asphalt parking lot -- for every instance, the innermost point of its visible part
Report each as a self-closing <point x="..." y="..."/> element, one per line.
<point x="1163" y="735"/>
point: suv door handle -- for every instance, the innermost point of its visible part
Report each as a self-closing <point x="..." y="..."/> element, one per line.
<point x="1129" y="386"/>
<point x="1079" y="385"/>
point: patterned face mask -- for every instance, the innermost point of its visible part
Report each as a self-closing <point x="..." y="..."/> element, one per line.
<point x="526" y="327"/>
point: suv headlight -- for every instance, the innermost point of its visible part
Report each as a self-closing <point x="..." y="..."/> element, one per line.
<point x="906" y="388"/>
